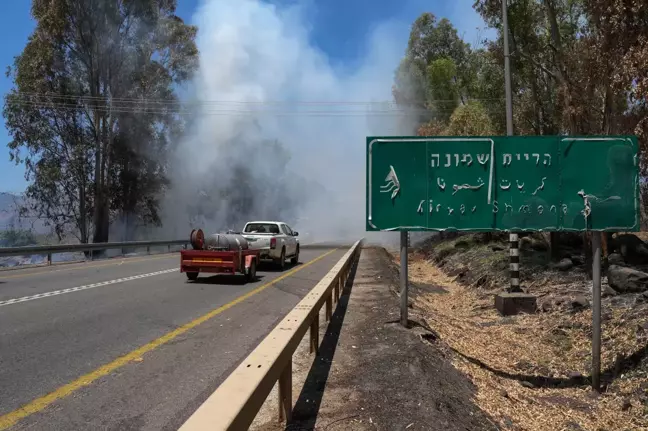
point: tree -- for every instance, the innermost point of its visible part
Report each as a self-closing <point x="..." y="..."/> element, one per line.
<point x="470" y="120"/>
<point x="434" y="76"/>
<point x="92" y="108"/>
<point x="17" y="238"/>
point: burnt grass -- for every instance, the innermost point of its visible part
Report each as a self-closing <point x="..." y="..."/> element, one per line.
<point x="481" y="262"/>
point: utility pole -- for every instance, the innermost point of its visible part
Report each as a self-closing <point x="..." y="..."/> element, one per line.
<point x="514" y="251"/>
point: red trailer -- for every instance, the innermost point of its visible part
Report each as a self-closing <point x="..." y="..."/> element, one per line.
<point x="221" y="254"/>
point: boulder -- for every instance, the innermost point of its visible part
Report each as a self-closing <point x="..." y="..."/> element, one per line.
<point x="577" y="260"/>
<point x="564" y="265"/>
<point x="579" y="302"/>
<point x="627" y="280"/>
<point x="606" y="291"/>
<point x="616" y="259"/>
<point x="525" y="243"/>
<point x="633" y="249"/>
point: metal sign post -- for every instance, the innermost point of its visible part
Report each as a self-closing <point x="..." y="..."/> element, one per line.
<point x="596" y="311"/>
<point x="403" y="277"/>
<point x="514" y="263"/>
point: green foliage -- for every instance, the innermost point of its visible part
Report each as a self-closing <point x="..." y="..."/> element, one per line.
<point x="433" y="75"/>
<point x="81" y="114"/>
<point x="470" y="120"/>
<point x="17" y="238"/>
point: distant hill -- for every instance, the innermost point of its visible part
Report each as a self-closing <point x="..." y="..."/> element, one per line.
<point x="9" y="217"/>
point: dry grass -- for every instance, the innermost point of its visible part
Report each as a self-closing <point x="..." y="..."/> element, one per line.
<point x="498" y="353"/>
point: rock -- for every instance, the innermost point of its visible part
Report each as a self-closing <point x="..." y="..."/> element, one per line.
<point x="626" y="280"/>
<point x="578" y="260"/>
<point x="626" y="404"/>
<point x="547" y="306"/>
<point x="633" y="249"/>
<point x="527" y="384"/>
<point x="606" y="291"/>
<point x="564" y="265"/>
<point x="539" y="245"/>
<point x="497" y="247"/>
<point x="575" y="375"/>
<point x="513" y="303"/>
<point x="615" y="259"/>
<point x="580" y="302"/>
<point x="525" y="243"/>
<point x="503" y="393"/>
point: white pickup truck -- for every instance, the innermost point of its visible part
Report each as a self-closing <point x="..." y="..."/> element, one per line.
<point x="276" y="241"/>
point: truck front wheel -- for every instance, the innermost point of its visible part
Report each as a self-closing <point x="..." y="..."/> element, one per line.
<point x="193" y="276"/>
<point x="295" y="258"/>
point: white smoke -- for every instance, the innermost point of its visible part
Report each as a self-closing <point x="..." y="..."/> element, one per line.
<point x="252" y="55"/>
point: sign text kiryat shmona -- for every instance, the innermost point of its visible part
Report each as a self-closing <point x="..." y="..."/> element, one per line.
<point x="530" y="183"/>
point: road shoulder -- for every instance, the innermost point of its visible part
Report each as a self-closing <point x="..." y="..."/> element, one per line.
<point x="371" y="373"/>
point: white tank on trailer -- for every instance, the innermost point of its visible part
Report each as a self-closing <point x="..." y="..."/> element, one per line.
<point x="226" y="241"/>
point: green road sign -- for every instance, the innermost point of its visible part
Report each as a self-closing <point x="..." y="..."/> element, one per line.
<point x="503" y="183"/>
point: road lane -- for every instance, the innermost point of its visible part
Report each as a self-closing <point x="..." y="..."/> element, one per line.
<point x="50" y="342"/>
<point x="33" y="281"/>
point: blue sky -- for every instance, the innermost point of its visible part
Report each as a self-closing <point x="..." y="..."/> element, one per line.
<point x="337" y="27"/>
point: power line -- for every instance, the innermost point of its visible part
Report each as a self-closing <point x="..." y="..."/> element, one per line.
<point x="181" y="109"/>
<point x="119" y="100"/>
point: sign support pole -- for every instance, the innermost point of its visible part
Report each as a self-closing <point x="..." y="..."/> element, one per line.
<point x="403" y="277"/>
<point x="596" y="311"/>
<point x="513" y="237"/>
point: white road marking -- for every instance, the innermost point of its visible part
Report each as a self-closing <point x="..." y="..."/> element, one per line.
<point x="86" y="287"/>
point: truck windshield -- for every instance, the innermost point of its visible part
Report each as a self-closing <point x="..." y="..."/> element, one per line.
<point x="261" y="228"/>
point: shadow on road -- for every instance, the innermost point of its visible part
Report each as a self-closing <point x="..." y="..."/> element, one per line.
<point x="310" y="399"/>
<point x="223" y="279"/>
<point x="271" y="267"/>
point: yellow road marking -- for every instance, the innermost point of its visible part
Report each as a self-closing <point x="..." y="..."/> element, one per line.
<point x="114" y="261"/>
<point x="41" y="403"/>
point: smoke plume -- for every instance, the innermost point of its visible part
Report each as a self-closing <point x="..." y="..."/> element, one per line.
<point x="279" y="131"/>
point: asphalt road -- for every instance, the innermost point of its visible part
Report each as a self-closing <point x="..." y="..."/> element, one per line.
<point x="129" y="343"/>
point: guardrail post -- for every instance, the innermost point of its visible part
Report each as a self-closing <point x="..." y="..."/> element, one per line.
<point x="91" y="254"/>
<point x="336" y="291"/>
<point x="49" y="258"/>
<point x="169" y="248"/>
<point x="285" y="393"/>
<point x="329" y="307"/>
<point x="148" y="249"/>
<point x="314" y="335"/>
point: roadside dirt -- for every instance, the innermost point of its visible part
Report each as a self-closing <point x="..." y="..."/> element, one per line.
<point x="373" y="374"/>
<point x="532" y="371"/>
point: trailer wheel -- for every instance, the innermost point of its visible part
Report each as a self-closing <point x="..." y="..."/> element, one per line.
<point x="193" y="276"/>
<point x="250" y="274"/>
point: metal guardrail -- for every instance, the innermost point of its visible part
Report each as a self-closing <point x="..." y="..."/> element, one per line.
<point x="49" y="250"/>
<point x="236" y="402"/>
